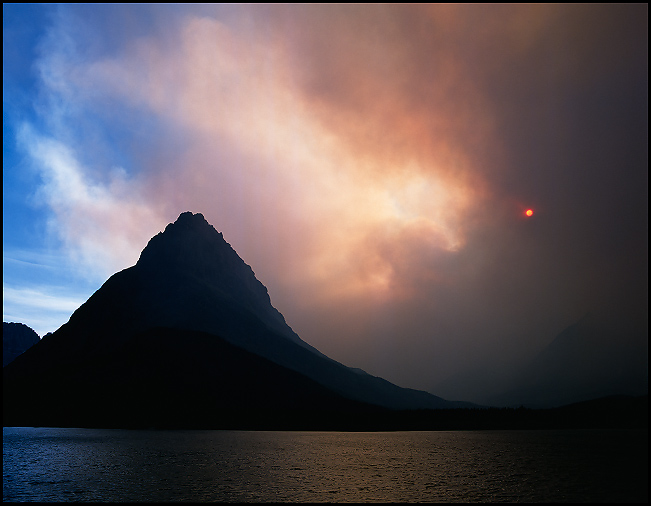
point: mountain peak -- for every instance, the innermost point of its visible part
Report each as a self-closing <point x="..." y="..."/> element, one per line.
<point x="190" y="241"/>
<point x="189" y="216"/>
<point x="187" y="220"/>
<point x="188" y="289"/>
<point x="191" y="252"/>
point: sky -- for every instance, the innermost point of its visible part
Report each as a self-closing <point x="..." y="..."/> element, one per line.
<point x="371" y="163"/>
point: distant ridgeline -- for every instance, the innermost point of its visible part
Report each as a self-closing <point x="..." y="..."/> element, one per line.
<point x="188" y="338"/>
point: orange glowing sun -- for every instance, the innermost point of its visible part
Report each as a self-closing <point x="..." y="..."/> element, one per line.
<point x="529" y="212"/>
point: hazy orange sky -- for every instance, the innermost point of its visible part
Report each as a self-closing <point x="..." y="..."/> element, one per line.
<point x="372" y="163"/>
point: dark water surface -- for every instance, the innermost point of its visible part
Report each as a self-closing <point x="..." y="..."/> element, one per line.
<point x="45" y="464"/>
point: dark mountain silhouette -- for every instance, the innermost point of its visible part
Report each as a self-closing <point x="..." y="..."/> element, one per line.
<point x="16" y="339"/>
<point x="189" y="325"/>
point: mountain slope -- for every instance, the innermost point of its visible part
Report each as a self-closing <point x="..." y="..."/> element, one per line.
<point x="189" y="280"/>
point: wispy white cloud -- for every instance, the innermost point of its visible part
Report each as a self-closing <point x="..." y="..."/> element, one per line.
<point x="102" y="223"/>
<point x="39" y="298"/>
<point x="43" y="308"/>
<point x="34" y="259"/>
<point x="42" y="287"/>
<point x="261" y="157"/>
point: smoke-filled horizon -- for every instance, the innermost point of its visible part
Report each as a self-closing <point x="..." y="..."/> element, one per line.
<point x="371" y="163"/>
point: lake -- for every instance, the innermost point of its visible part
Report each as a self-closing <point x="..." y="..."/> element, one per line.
<point x="110" y="465"/>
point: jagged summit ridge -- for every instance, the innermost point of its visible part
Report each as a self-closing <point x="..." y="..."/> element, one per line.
<point x="195" y="247"/>
<point x="192" y="249"/>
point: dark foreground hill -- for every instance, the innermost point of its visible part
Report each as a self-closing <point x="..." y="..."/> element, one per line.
<point x="193" y="380"/>
<point x="169" y="378"/>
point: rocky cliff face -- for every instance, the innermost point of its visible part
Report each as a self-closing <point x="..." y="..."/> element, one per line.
<point x="16" y="339"/>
